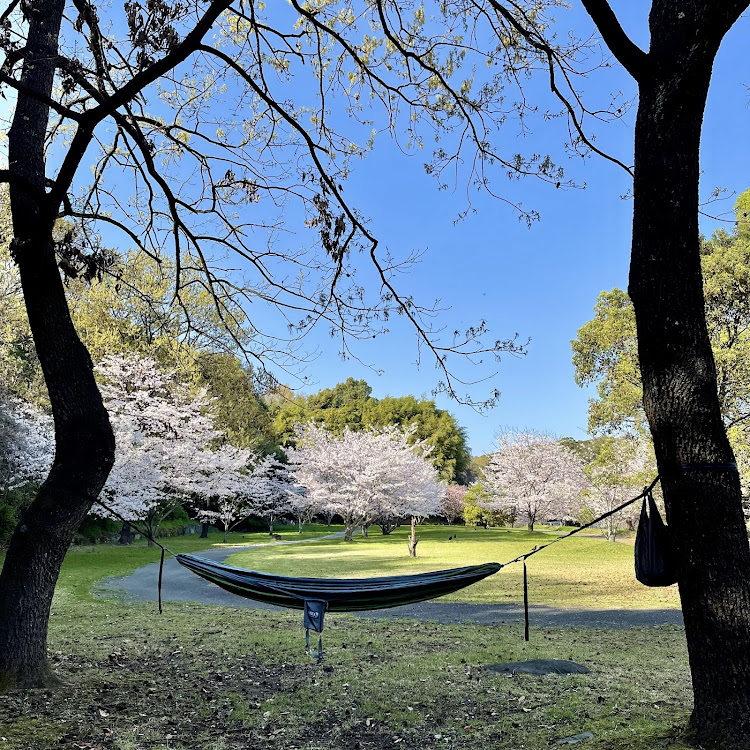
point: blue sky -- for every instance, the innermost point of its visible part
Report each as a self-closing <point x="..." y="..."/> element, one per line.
<point x="541" y="282"/>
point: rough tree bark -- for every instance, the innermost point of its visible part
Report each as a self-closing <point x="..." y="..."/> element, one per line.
<point x="703" y="507"/>
<point x="84" y="439"/>
<point x="349" y="527"/>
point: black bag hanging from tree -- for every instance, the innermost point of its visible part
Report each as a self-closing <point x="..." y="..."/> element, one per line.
<point x="654" y="555"/>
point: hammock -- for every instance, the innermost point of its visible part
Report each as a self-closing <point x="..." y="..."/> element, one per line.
<point x="317" y="595"/>
<point x="339" y="594"/>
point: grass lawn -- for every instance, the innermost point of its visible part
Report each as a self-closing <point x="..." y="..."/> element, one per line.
<point x="212" y="678"/>
<point x="579" y="572"/>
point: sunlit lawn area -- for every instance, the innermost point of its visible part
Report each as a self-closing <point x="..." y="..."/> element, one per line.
<point x="578" y="572"/>
<point x="213" y="678"/>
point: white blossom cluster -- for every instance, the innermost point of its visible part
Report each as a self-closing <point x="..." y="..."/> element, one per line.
<point x="27" y="442"/>
<point x="365" y="477"/>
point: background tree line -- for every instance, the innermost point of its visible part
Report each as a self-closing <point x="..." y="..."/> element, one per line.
<point x="605" y="353"/>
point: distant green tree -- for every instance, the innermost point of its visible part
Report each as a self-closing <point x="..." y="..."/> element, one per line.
<point x="239" y="411"/>
<point x="474" y="472"/>
<point x="20" y="372"/>
<point x="478" y="510"/>
<point x="334" y="408"/>
<point x="605" y="353"/>
<point x="350" y="404"/>
<point x="587" y="450"/>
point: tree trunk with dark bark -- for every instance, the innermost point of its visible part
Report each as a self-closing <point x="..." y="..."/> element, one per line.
<point x="349" y="527"/>
<point x="703" y="506"/>
<point x="84" y="440"/>
<point x="126" y="534"/>
<point x="204" y="530"/>
<point x="387" y="527"/>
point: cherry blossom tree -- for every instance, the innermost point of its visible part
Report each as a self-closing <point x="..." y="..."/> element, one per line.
<point x="618" y="472"/>
<point x="452" y="504"/>
<point x="367" y="476"/>
<point x="532" y="471"/>
<point x="161" y="432"/>
<point x="27" y="444"/>
<point x="270" y="491"/>
<point x="303" y="507"/>
<point x="218" y="480"/>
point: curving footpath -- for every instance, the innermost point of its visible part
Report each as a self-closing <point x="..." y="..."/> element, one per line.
<point x="180" y="585"/>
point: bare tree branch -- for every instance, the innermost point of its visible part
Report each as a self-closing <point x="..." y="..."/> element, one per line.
<point x="627" y="53"/>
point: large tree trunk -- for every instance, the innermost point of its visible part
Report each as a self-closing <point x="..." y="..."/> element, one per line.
<point x="85" y="444"/>
<point x="703" y="507"/>
<point x="126" y="534"/>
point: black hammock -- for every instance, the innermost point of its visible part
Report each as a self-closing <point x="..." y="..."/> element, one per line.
<point x="339" y="594"/>
<point x="317" y="595"/>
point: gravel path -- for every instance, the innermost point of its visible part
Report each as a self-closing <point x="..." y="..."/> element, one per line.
<point x="180" y="585"/>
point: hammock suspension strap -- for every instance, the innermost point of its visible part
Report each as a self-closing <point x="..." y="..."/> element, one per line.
<point x="522" y="558"/>
<point x="145" y="533"/>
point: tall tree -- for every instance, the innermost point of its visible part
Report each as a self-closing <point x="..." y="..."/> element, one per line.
<point x="129" y="86"/>
<point x="163" y="435"/>
<point x="701" y="486"/>
<point x="533" y="473"/>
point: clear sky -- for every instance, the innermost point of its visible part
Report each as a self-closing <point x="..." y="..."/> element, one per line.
<point x="540" y="282"/>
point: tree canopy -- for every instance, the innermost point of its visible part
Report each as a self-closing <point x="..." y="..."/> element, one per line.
<point x="606" y="350"/>
<point x="350" y="405"/>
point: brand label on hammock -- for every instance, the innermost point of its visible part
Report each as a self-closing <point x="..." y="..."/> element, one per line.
<point x="314" y="614"/>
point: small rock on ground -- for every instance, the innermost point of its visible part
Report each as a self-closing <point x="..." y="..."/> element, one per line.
<point x="575" y="739"/>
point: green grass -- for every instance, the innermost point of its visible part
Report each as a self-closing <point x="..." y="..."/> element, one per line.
<point x="214" y="678"/>
<point x="579" y="572"/>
